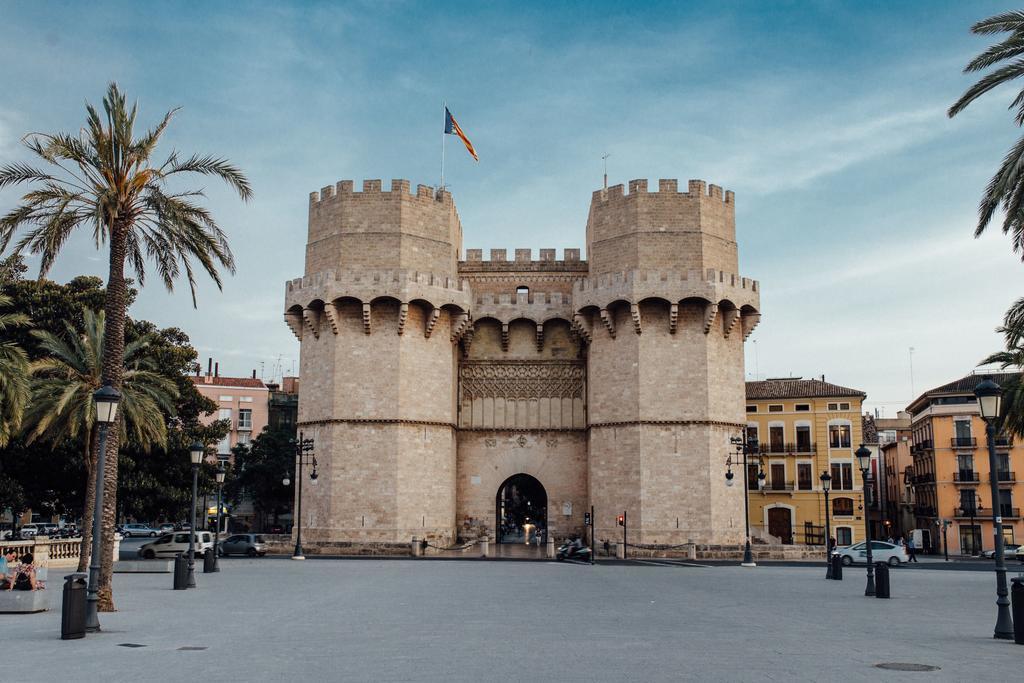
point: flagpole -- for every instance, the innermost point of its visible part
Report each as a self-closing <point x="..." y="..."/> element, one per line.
<point x="444" y="106"/>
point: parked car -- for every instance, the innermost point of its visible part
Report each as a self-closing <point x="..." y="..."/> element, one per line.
<point x="1020" y="553"/>
<point x="1009" y="549"/>
<point x="880" y="552"/>
<point x="47" y="529"/>
<point x="166" y="528"/>
<point x="130" y="530"/>
<point x="252" y="545"/>
<point x="29" y="531"/>
<point x="170" y="545"/>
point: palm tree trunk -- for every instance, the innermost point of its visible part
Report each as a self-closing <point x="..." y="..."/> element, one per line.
<point x="91" y="448"/>
<point x="113" y="369"/>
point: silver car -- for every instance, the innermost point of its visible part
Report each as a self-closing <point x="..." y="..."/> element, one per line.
<point x="252" y="545"/>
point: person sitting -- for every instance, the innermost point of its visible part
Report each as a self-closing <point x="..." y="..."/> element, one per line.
<point x="25" y="575"/>
<point x="7" y="561"/>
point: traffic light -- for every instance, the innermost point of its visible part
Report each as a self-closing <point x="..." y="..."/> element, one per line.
<point x="622" y="520"/>
<point x="586" y="519"/>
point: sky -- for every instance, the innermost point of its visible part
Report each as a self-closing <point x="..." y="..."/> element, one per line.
<point x="856" y="195"/>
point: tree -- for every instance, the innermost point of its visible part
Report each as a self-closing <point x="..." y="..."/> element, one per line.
<point x="106" y="179"/>
<point x="1006" y="188"/>
<point x="259" y="470"/>
<point x="63" y="410"/>
<point x="13" y="373"/>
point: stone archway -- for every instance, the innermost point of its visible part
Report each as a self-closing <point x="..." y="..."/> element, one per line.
<point x="521" y="510"/>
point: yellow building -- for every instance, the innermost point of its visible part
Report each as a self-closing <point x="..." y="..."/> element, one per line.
<point x="951" y="476"/>
<point x="804" y="428"/>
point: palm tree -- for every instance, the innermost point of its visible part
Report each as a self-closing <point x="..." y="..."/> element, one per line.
<point x="106" y="180"/>
<point x="1006" y="189"/>
<point x="14" y="389"/>
<point x="1012" y="330"/>
<point x="62" y="406"/>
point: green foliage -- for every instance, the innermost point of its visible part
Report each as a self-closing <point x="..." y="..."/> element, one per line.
<point x="260" y="469"/>
<point x="1006" y="188"/>
<point x="14" y="388"/>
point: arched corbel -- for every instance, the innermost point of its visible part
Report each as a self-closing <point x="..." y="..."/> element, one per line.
<point x="731" y="318"/>
<point x="634" y="312"/>
<point x="607" y="320"/>
<point x="312" y="318"/>
<point x="673" y="318"/>
<point x="431" y="322"/>
<point x="366" y="318"/>
<point x="710" y="311"/>
<point x="750" y="321"/>
<point x="403" y="313"/>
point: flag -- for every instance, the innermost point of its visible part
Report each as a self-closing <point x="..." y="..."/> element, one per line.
<point x="451" y="127"/>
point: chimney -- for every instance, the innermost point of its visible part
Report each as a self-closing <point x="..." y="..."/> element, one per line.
<point x="216" y="369"/>
<point x="209" y="366"/>
<point x="254" y="374"/>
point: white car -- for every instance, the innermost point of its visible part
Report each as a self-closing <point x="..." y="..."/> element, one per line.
<point x="29" y="530"/>
<point x="881" y="551"/>
<point x="170" y="545"/>
<point x="130" y="530"/>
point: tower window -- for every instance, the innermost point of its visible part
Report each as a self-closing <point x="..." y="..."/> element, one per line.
<point x="522" y="289"/>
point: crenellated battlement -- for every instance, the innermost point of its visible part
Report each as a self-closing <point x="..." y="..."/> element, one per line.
<point x="400" y="189"/>
<point x="667" y="187"/>
<point x="669" y="278"/>
<point x="376" y="277"/>
<point x="522" y="255"/>
<point x="634" y="286"/>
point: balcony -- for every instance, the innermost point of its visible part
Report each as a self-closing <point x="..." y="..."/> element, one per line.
<point x="966" y="477"/>
<point x="1004" y="477"/>
<point x="924" y="478"/>
<point x="924" y="511"/>
<point x="1007" y="511"/>
<point x="924" y="444"/>
<point x="968" y="513"/>
<point x="788" y="448"/>
<point x="1004" y="441"/>
<point x="779" y="487"/>
<point x="963" y="442"/>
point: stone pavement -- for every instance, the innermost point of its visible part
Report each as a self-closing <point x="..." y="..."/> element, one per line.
<point x="373" y="620"/>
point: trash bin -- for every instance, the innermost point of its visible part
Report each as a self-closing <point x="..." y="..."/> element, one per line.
<point x="837" y="567"/>
<point x="209" y="562"/>
<point x="881" y="580"/>
<point x="1017" y="609"/>
<point x="180" y="572"/>
<point x="72" y="609"/>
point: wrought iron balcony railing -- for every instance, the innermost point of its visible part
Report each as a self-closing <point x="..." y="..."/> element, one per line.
<point x="966" y="477"/>
<point x="1004" y="476"/>
<point x="963" y="442"/>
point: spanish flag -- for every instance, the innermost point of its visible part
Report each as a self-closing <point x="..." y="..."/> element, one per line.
<point x="451" y="127"/>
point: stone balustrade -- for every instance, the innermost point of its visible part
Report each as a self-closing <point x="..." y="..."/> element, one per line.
<point x="53" y="552"/>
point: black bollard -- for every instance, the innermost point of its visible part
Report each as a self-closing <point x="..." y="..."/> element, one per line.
<point x="881" y="580"/>
<point x="209" y="563"/>
<point x="180" y="572"/>
<point x="1017" y="609"/>
<point x="837" y="567"/>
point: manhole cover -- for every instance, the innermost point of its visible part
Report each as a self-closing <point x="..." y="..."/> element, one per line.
<point x="906" y="666"/>
<point x="130" y="645"/>
<point x="192" y="647"/>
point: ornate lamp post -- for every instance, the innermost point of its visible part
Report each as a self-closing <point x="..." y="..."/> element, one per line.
<point x="302" y="448"/>
<point x="106" y="400"/>
<point x="196" y="452"/>
<point x="216" y="531"/>
<point x="864" y="464"/>
<point x="990" y="396"/>
<point x="745" y="448"/>
<point x="826" y="485"/>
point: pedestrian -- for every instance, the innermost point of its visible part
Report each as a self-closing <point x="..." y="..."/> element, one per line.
<point x="7" y="561"/>
<point x="25" y="575"/>
<point x="911" y="549"/>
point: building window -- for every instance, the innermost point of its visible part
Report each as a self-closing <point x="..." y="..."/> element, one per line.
<point x="844" y="406"/>
<point x="803" y="438"/>
<point x="1007" y="534"/>
<point x="842" y="507"/>
<point x="751" y="409"/>
<point x="245" y="399"/>
<point x="802" y="407"/>
<point x="842" y="476"/>
<point x="245" y="419"/>
<point x="225" y="414"/>
<point x="226" y="398"/>
<point x="775" y="408"/>
<point x="833" y="406"/>
<point x="776" y="439"/>
<point x="844" y="535"/>
<point x="778" y="471"/>
<point x="244" y="438"/>
<point x="804" y="476"/>
<point x="752" y="480"/>
<point x="968" y="501"/>
<point x="751" y="433"/>
<point x="522" y="289"/>
<point x="839" y="436"/>
<point x="224" y="446"/>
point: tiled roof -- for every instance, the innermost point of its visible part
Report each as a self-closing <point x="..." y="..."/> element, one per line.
<point x="798" y="388"/>
<point x="868" y="428"/>
<point x="237" y="382"/>
<point x="966" y="384"/>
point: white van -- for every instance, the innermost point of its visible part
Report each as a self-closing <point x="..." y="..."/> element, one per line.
<point x="170" y="545"/>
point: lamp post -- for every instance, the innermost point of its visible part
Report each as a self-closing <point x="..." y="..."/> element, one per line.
<point x="196" y="452"/>
<point x="944" y="524"/>
<point x="990" y="397"/>
<point x="216" y="532"/>
<point x="302" y="447"/>
<point x="745" y="448"/>
<point x="826" y="485"/>
<point x="106" y="400"/>
<point x="864" y="464"/>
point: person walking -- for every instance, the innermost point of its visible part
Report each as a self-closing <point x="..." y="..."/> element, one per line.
<point x="911" y="549"/>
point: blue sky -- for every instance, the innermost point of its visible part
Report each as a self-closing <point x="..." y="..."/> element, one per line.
<point x="855" y="194"/>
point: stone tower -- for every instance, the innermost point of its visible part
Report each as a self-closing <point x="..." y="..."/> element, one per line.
<point x="665" y="314"/>
<point x="379" y="313"/>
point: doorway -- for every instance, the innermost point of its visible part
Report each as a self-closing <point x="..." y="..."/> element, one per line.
<point x="521" y="511"/>
<point x="780" y="524"/>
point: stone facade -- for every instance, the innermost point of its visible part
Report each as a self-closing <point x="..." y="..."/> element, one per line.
<point x="431" y="380"/>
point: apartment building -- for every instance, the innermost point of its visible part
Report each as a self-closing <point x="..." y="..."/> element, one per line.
<point x="804" y="427"/>
<point x="951" y="477"/>
<point x="243" y="401"/>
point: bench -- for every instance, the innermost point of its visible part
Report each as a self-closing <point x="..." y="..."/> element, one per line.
<point x="144" y="566"/>
<point x="24" y="602"/>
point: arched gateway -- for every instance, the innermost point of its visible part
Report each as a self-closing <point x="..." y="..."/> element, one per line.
<point x="521" y="510"/>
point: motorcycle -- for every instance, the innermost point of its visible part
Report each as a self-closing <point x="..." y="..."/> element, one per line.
<point x="569" y="551"/>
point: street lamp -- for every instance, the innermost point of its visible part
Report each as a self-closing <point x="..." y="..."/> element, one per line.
<point x="826" y="485"/>
<point x="745" y="448"/>
<point x="216" y="532"/>
<point x="944" y="525"/>
<point x="196" y="452"/>
<point x="106" y="400"/>
<point x="864" y="464"/>
<point x="302" y="447"/>
<point x="990" y="396"/>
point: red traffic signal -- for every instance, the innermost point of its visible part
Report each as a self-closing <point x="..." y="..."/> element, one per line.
<point x="622" y="520"/>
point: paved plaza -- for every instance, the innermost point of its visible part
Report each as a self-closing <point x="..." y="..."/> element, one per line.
<point x="269" y="619"/>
